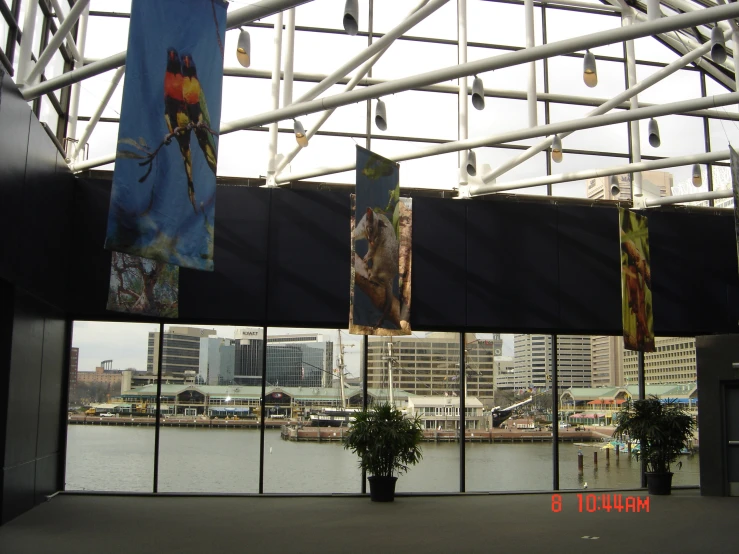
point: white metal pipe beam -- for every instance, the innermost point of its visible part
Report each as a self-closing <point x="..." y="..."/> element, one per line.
<point x="70" y="39"/>
<point x="358" y="77"/>
<point x="528" y="8"/>
<point x="489" y="92"/>
<point x="275" y="100"/>
<point x="74" y="100"/>
<point x="374" y="48"/>
<point x="653" y="10"/>
<point x="488" y="64"/>
<point x="606" y="106"/>
<point x="577" y="4"/>
<point x="257" y="10"/>
<point x="287" y="88"/>
<point x="99" y="111"/>
<point x="696" y="197"/>
<point x="24" y="56"/>
<point x="56" y="41"/>
<point x="636" y="185"/>
<point x="602" y="172"/>
<point x="542" y="130"/>
<point x="462" y="96"/>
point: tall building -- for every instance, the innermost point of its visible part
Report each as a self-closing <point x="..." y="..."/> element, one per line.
<point x="317" y="356"/>
<point x="181" y="350"/>
<point x="504" y="373"/>
<point x="533" y="361"/>
<point x="654" y="183"/>
<point x="673" y="362"/>
<point x="217" y="361"/>
<point x="607" y="356"/>
<point x="430" y="365"/>
<point x="74" y="356"/>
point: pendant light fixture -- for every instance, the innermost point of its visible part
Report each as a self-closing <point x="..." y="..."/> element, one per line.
<point x="471" y="163"/>
<point x="556" y="149"/>
<point x="478" y="94"/>
<point x="380" y="116"/>
<point x="243" y="48"/>
<point x="653" y="129"/>
<point x="697" y="176"/>
<point x="615" y="188"/>
<point x="300" y="136"/>
<point x="589" y="72"/>
<point x="718" y="51"/>
<point x="351" y="17"/>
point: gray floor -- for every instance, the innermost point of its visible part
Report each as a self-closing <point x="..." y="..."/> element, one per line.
<point x="683" y="522"/>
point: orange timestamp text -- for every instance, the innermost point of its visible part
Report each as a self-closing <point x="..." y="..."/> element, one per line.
<point x="604" y="503"/>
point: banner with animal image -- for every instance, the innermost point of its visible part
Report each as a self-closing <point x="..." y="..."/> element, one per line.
<point x="381" y="230"/>
<point x="735" y="188"/>
<point x="162" y="204"/>
<point x="636" y="282"/>
<point x="141" y="286"/>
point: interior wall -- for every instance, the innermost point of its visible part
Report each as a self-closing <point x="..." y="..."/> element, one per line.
<point x="282" y="258"/>
<point x="36" y="190"/>
<point x="714" y="357"/>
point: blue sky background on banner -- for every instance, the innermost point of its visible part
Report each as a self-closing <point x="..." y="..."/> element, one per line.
<point x="172" y="230"/>
<point x="371" y="193"/>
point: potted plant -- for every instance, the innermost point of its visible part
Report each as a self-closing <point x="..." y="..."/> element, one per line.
<point x="663" y="430"/>
<point x="387" y="443"/>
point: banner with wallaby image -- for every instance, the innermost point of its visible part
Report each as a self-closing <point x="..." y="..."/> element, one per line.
<point x="381" y="229"/>
<point x="636" y="282"/>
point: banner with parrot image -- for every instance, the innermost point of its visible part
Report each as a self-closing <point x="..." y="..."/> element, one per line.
<point x="162" y="204"/>
<point x="636" y="282"/>
<point x="381" y="228"/>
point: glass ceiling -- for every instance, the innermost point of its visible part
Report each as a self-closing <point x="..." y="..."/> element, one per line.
<point x="420" y="118"/>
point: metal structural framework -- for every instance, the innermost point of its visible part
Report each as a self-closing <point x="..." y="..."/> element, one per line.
<point x="52" y="50"/>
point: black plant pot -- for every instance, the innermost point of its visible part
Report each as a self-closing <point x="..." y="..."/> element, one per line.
<point x="382" y="489"/>
<point x="659" y="483"/>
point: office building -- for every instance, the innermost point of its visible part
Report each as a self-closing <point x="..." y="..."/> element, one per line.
<point x="533" y="361"/>
<point x="181" y="350"/>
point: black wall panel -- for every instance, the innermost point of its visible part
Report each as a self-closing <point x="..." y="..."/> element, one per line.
<point x="53" y="375"/>
<point x="235" y="290"/>
<point x="25" y="380"/>
<point x="512" y="266"/>
<point x="589" y="276"/>
<point x="439" y="266"/>
<point x="89" y="269"/>
<point x="18" y="490"/>
<point x="310" y="257"/>
<point x="15" y="117"/>
<point x="41" y="260"/>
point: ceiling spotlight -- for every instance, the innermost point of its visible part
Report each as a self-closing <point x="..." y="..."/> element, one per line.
<point x="615" y="189"/>
<point x="471" y="163"/>
<point x="380" y="116"/>
<point x="557" y="149"/>
<point x="243" y="49"/>
<point x="653" y="129"/>
<point x="478" y="94"/>
<point x="351" y="17"/>
<point x="589" y="73"/>
<point x="300" y="136"/>
<point x="718" y="52"/>
<point x="697" y="176"/>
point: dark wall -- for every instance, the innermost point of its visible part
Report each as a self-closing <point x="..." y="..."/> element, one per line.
<point x="36" y="191"/>
<point x="282" y="258"/>
<point x="714" y="357"/>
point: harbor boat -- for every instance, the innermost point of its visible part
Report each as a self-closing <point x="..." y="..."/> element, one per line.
<point x="334" y="417"/>
<point x="501" y="414"/>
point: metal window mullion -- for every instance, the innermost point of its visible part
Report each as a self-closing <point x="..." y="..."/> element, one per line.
<point x="707" y="138"/>
<point x="158" y="413"/>
<point x="555" y="416"/>
<point x="462" y="415"/>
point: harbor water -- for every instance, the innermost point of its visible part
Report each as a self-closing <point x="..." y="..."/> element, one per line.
<point x="117" y="458"/>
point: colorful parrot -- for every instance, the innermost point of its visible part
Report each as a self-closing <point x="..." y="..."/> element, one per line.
<point x="176" y="115"/>
<point x="197" y="109"/>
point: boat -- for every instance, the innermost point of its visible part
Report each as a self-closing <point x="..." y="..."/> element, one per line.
<point x="334" y="417"/>
<point x="501" y="414"/>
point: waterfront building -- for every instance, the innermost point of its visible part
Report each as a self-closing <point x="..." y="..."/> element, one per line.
<point x="100" y="375"/>
<point x="533" y="361"/>
<point x="74" y="356"/>
<point x="442" y="412"/>
<point x="430" y="365"/>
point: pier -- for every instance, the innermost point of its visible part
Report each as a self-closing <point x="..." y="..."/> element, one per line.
<point x="325" y="434"/>
<point x="174" y="422"/>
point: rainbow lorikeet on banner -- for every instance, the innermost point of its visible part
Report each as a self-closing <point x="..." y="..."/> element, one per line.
<point x="176" y="115"/>
<point x="197" y="110"/>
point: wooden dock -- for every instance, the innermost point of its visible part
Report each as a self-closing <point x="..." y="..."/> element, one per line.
<point x="327" y="434"/>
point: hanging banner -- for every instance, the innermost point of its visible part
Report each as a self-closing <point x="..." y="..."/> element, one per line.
<point x="381" y="230"/>
<point x="162" y="204"/>
<point x="735" y="188"/>
<point x="141" y="286"/>
<point x="636" y="282"/>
